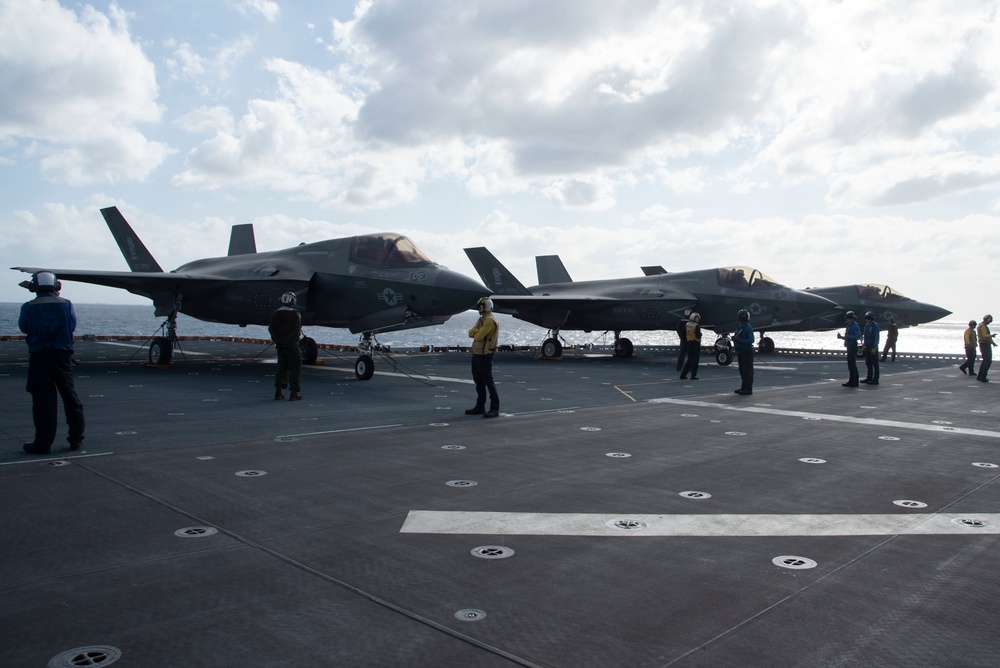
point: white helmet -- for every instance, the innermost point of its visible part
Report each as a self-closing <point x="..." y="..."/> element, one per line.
<point x="484" y="304"/>
<point x="288" y="299"/>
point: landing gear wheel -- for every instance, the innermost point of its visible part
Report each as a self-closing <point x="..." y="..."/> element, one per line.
<point x="724" y="358"/>
<point x="309" y="349"/>
<point x="551" y="348"/>
<point x="161" y="349"/>
<point x="767" y="345"/>
<point x="364" y="367"/>
<point x="623" y="348"/>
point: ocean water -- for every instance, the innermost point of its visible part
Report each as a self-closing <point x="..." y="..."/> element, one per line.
<point x="939" y="338"/>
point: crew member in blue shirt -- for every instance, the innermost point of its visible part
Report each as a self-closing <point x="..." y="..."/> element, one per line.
<point x="48" y="322"/>
<point x="851" y="336"/>
<point x="743" y="340"/>
<point x="870" y="342"/>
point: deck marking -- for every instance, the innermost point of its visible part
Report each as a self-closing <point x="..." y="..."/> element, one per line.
<point x="833" y="418"/>
<point x="141" y="346"/>
<point x="56" y="458"/>
<point x="417" y="376"/>
<point x="592" y="524"/>
<point x="340" y="431"/>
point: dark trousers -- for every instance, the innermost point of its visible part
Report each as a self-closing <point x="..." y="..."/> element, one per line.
<point x="986" y="350"/>
<point x="682" y="349"/>
<point x="852" y="364"/>
<point x="289" y="368"/>
<point x="871" y="362"/>
<point x="889" y="344"/>
<point x="970" y="360"/>
<point x="693" y="354"/>
<point x="745" y="361"/>
<point x="50" y="373"/>
<point x="482" y="374"/>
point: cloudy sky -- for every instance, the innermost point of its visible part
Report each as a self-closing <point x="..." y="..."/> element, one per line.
<point x="822" y="142"/>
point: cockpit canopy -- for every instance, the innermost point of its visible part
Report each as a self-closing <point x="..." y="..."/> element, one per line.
<point x="745" y="278"/>
<point x="388" y="250"/>
<point x="878" y="291"/>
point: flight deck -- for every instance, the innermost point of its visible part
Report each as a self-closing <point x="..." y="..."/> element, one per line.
<point x="614" y="515"/>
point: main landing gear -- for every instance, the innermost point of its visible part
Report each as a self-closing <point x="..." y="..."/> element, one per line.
<point x="766" y="344"/>
<point x="723" y="350"/>
<point x="551" y="347"/>
<point x="161" y="348"/>
<point x="364" y="366"/>
<point x="623" y="347"/>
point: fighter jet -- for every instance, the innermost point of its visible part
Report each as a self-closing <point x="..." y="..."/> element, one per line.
<point x="652" y="302"/>
<point x="880" y="299"/>
<point x="368" y="283"/>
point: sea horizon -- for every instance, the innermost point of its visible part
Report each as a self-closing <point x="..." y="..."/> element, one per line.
<point x="941" y="338"/>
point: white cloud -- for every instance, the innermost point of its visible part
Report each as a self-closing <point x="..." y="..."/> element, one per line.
<point x="79" y="86"/>
<point x="267" y="9"/>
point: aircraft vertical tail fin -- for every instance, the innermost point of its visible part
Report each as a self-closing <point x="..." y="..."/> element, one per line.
<point x="138" y="258"/>
<point x="242" y="241"/>
<point x="494" y="275"/>
<point x="551" y="270"/>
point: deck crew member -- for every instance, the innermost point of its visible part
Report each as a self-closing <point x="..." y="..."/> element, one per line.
<point x="986" y="344"/>
<point x="692" y="335"/>
<point x="682" y="338"/>
<point x="743" y="341"/>
<point x="285" y="329"/>
<point x="485" y="335"/>
<point x="970" y="349"/>
<point x="891" y="334"/>
<point x="870" y="342"/>
<point x="49" y="321"/>
<point x="851" y="335"/>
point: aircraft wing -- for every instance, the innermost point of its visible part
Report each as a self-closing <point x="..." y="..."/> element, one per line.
<point x="160" y="287"/>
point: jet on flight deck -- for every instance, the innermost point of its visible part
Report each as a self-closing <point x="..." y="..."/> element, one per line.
<point x="368" y="283"/>
<point x="642" y="303"/>
<point x="880" y="299"/>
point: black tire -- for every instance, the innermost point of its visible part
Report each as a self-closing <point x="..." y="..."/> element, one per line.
<point x="767" y="345"/>
<point x="161" y="349"/>
<point x="724" y="358"/>
<point x="310" y="352"/>
<point x="364" y="367"/>
<point x="551" y="348"/>
<point x="623" y="348"/>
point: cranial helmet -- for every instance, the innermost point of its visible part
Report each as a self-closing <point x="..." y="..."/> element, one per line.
<point x="45" y="280"/>
<point x="987" y="318"/>
<point x="484" y="304"/>
<point x="850" y="315"/>
<point x="687" y="313"/>
<point x="695" y="317"/>
<point x="288" y="299"/>
<point x="869" y="315"/>
<point x="743" y="314"/>
<point x="972" y="323"/>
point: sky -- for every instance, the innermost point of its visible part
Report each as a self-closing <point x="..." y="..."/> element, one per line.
<point x="823" y="142"/>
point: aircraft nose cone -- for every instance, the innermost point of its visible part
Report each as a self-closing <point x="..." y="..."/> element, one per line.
<point x="810" y="306"/>
<point x="457" y="292"/>
<point x="936" y="313"/>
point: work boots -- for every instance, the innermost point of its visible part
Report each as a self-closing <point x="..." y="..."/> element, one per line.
<point x="278" y="395"/>
<point x="295" y="396"/>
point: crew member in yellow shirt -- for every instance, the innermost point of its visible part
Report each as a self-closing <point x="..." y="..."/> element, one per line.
<point x="484" y="334"/>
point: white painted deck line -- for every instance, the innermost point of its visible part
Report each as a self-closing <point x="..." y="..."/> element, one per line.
<point x="587" y="524"/>
<point x="851" y="419"/>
